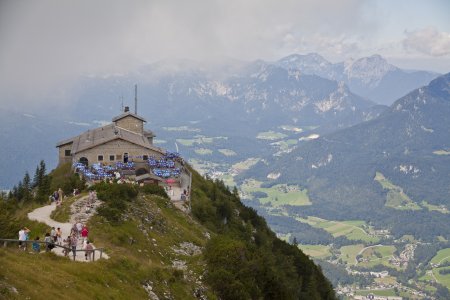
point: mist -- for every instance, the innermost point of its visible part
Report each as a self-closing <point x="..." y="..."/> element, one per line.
<point x="47" y="45"/>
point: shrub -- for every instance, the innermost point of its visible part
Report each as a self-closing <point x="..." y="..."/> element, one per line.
<point x="153" y="189"/>
<point x="115" y="197"/>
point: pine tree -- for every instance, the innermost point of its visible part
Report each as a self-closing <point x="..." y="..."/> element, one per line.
<point x="43" y="190"/>
<point x="39" y="175"/>
<point x="20" y="192"/>
<point x="36" y="179"/>
<point x="26" y="186"/>
<point x="42" y="169"/>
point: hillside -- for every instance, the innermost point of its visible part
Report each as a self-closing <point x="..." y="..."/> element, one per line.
<point x="224" y="250"/>
<point x="381" y="170"/>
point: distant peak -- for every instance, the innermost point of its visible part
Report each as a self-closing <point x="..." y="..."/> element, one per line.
<point x="310" y="57"/>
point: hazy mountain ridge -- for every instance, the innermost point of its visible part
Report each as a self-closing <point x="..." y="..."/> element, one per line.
<point x="403" y="144"/>
<point x="235" y="99"/>
<point x="372" y="77"/>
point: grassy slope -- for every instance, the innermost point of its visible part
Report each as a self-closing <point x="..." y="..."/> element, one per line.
<point x="45" y="275"/>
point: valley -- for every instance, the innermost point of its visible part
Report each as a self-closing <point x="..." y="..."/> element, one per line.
<point x="359" y="256"/>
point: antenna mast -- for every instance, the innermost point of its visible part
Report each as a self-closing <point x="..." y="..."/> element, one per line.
<point x="135" y="99"/>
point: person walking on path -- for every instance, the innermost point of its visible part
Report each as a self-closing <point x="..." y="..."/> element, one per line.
<point x="84" y="233"/>
<point x="59" y="235"/>
<point x="53" y="234"/>
<point x="73" y="244"/>
<point x="66" y="245"/>
<point x="60" y="195"/>
<point x="79" y="228"/>
<point x="88" y="249"/>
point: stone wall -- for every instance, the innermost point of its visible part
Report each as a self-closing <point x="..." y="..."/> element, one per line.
<point x="132" y="124"/>
<point x="117" y="148"/>
<point x="62" y="154"/>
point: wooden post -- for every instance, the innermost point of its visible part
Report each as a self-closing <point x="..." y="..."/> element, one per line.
<point x="5" y="243"/>
<point x="93" y="255"/>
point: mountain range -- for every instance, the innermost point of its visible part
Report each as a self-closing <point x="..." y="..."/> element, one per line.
<point x="395" y="165"/>
<point x="371" y="77"/>
<point x="235" y="101"/>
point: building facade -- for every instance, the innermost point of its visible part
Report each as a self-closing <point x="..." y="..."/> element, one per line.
<point x="124" y="140"/>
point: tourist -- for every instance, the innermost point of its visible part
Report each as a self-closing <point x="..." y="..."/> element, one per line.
<point x="55" y="196"/>
<point x="59" y="235"/>
<point x="84" y="233"/>
<point x="60" y="195"/>
<point x="48" y="242"/>
<point x="21" y="237"/>
<point x="73" y="244"/>
<point x="66" y="245"/>
<point x="73" y="230"/>
<point x="79" y="228"/>
<point x="88" y="249"/>
<point x="53" y="235"/>
<point x="36" y="245"/>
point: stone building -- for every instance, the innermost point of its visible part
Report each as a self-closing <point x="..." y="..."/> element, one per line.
<point x="124" y="140"/>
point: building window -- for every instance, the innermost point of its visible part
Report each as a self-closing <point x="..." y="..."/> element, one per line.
<point x="111" y="158"/>
<point x="67" y="152"/>
<point x="145" y="157"/>
<point x="100" y="158"/>
<point x="119" y="156"/>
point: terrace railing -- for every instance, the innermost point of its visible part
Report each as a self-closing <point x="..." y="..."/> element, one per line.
<point x="68" y="249"/>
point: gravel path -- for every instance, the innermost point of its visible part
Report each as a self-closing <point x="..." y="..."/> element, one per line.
<point x="42" y="214"/>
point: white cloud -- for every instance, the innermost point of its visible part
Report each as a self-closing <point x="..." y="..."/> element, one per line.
<point x="428" y="41"/>
<point x="47" y="44"/>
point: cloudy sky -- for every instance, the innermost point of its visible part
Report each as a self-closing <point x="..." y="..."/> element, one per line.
<point x="45" y="43"/>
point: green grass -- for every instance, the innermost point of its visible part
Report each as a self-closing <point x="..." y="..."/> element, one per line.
<point x="62" y="212"/>
<point x="353" y="230"/>
<point x="348" y="253"/>
<point x="442" y="279"/>
<point x="277" y="195"/>
<point x="373" y="256"/>
<point x="203" y="151"/>
<point x="316" y="251"/>
<point x="427" y="277"/>
<point x="285" y="144"/>
<point x="395" y="198"/>
<point x="441" y="152"/>
<point x="245" y="165"/>
<point x="271" y="135"/>
<point x="42" y="276"/>
<point x="431" y="207"/>
<point x="442" y="256"/>
<point x="227" y="152"/>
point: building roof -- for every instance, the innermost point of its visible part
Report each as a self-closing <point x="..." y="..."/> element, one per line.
<point x="126" y="114"/>
<point x="98" y="136"/>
